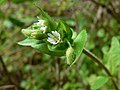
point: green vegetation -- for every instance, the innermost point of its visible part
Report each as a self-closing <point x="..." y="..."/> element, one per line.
<point x="91" y="66"/>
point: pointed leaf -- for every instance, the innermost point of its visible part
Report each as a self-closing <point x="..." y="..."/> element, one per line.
<point x="99" y="82"/>
<point x="113" y="55"/>
<point x="29" y="42"/>
<point x="79" y="44"/>
<point x="50" y="20"/>
<point x="63" y="26"/>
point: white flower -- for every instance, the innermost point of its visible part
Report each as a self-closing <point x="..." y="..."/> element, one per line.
<point x="41" y="22"/>
<point x="43" y="28"/>
<point x="54" y="38"/>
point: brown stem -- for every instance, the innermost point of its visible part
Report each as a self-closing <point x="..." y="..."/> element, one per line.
<point x="5" y="69"/>
<point x="57" y="65"/>
<point x="6" y="72"/>
<point x="97" y="60"/>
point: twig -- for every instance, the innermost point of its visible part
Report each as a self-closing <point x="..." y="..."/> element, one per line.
<point x="5" y="69"/>
<point x="57" y="65"/>
<point x="97" y="60"/>
<point x="6" y="73"/>
<point x="6" y="87"/>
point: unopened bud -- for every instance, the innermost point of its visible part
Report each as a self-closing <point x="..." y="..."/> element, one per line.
<point x="41" y="23"/>
<point x="26" y="32"/>
<point x="69" y="55"/>
<point x="37" y="35"/>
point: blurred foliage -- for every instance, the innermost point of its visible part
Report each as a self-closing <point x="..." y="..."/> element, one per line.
<point x="31" y="70"/>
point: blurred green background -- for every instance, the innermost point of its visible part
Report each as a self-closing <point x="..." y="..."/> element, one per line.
<point x="28" y="69"/>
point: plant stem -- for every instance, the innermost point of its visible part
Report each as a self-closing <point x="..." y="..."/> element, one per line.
<point x="97" y="60"/>
<point x="57" y="65"/>
<point x="7" y="74"/>
<point x="5" y="69"/>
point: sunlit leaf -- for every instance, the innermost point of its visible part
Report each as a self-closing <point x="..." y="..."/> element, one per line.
<point x="28" y="42"/>
<point x="99" y="82"/>
<point x="79" y="44"/>
<point x="113" y="55"/>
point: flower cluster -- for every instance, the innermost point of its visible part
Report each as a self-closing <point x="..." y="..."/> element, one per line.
<point x="48" y="36"/>
<point x="40" y="29"/>
<point x="36" y="30"/>
<point x="55" y="38"/>
<point x="42" y="25"/>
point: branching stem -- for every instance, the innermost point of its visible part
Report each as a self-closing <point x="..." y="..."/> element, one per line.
<point x="98" y="61"/>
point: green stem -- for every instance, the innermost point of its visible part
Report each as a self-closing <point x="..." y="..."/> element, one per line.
<point x="97" y="60"/>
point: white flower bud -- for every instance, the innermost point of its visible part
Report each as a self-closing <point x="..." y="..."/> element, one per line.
<point x="44" y="28"/>
<point x="40" y="22"/>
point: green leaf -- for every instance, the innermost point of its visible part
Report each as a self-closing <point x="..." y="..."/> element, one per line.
<point x="44" y="49"/>
<point x="63" y="26"/>
<point x="99" y="82"/>
<point x="50" y="20"/>
<point x="113" y="56"/>
<point x="40" y="46"/>
<point x="69" y="55"/>
<point x="74" y="34"/>
<point x="2" y="1"/>
<point x="29" y="42"/>
<point x="79" y="44"/>
<point x="59" y="47"/>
